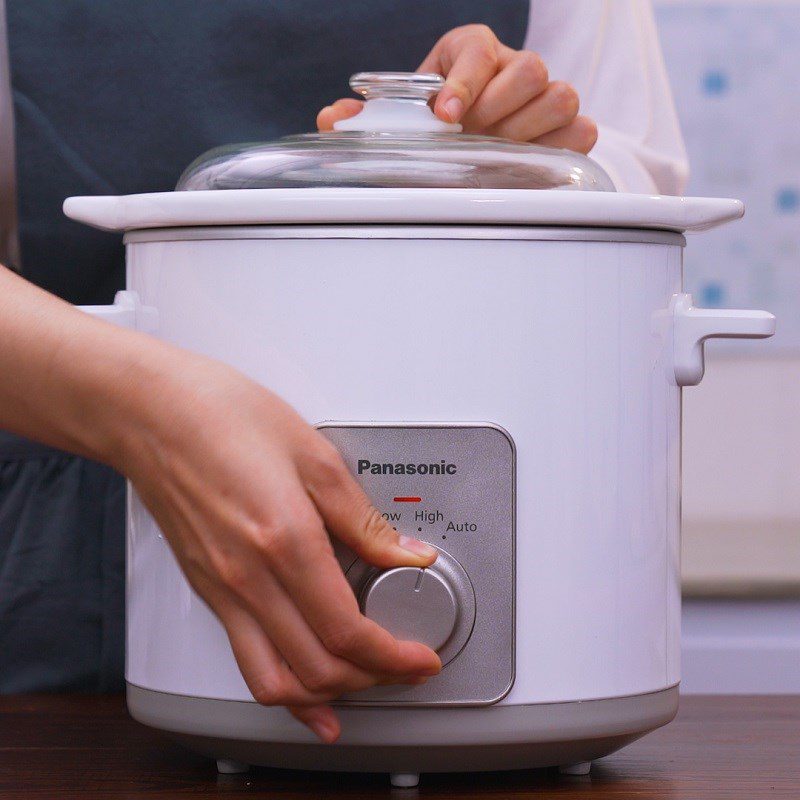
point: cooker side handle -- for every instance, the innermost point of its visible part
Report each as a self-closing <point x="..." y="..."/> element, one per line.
<point x="692" y="326"/>
<point x="127" y="311"/>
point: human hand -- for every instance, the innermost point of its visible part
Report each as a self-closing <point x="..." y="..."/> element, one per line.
<point x="244" y="490"/>
<point x="494" y="90"/>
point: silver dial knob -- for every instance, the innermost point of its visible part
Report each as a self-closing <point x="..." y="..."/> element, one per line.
<point x="413" y="604"/>
<point x="435" y="605"/>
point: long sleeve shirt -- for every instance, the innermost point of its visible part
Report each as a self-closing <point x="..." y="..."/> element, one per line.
<point x="610" y="52"/>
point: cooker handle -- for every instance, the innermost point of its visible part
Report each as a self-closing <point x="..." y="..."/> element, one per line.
<point x="127" y="311"/>
<point x="692" y="326"/>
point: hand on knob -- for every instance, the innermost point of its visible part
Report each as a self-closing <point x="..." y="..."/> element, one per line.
<point x="247" y="494"/>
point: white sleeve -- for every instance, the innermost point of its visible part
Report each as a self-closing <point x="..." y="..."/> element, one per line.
<point x="609" y="51"/>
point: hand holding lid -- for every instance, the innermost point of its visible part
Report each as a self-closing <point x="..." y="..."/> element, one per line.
<point x="395" y="141"/>
<point x="396" y="102"/>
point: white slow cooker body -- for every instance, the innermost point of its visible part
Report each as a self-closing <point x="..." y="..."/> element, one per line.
<point x="556" y="334"/>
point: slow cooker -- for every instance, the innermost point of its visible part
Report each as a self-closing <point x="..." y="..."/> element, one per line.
<point x="496" y="341"/>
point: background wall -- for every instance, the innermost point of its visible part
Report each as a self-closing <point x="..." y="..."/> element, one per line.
<point x="741" y="527"/>
<point x="741" y="476"/>
<point x="734" y="65"/>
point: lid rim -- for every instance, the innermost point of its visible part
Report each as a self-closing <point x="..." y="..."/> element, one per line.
<point x="402" y="206"/>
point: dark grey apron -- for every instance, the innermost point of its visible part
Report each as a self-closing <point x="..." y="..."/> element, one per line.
<point x="115" y="97"/>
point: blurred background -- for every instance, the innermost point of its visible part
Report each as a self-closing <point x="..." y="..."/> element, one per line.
<point x="734" y="67"/>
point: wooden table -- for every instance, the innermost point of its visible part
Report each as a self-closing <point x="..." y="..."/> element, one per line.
<point x="65" y="747"/>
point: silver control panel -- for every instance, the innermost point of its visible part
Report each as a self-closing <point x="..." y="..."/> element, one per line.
<point x="452" y="486"/>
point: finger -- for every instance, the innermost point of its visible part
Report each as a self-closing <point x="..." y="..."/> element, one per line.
<point x="580" y="135"/>
<point x="321" y="719"/>
<point x="556" y="107"/>
<point x="268" y="677"/>
<point x="279" y="624"/>
<point x="341" y="109"/>
<point x="303" y="560"/>
<point x="469" y="58"/>
<point x="264" y="670"/>
<point x="350" y="516"/>
<point x="322" y="672"/>
<point x="521" y="79"/>
<point x="267" y="672"/>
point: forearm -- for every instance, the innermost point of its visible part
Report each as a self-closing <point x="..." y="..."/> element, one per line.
<point x="69" y="380"/>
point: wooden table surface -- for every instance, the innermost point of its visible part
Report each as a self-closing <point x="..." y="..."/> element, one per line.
<point x="71" y="746"/>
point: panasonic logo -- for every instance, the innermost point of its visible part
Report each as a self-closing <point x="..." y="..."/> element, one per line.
<point x="440" y="468"/>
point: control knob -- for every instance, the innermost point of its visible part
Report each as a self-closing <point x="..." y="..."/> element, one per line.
<point x="435" y="606"/>
<point x="412" y="603"/>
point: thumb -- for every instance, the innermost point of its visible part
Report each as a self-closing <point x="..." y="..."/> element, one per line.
<point x="376" y="541"/>
<point x="359" y="525"/>
<point x="341" y="109"/>
<point x="349" y="515"/>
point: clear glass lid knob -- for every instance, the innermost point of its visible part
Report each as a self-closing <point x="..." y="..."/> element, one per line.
<point x="396" y="102"/>
<point x="420" y="86"/>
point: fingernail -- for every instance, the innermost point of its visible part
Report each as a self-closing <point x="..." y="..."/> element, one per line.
<point x="416" y="547"/>
<point x="324" y="729"/>
<point x="454" y="108"/>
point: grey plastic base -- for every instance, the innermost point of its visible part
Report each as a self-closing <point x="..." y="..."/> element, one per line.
<point x="409" y="740"/>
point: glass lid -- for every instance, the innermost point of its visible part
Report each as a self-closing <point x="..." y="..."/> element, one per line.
<point x="394" y="141"/>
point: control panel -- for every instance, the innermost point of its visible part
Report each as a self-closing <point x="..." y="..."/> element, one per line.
<point x="451" y="485"/>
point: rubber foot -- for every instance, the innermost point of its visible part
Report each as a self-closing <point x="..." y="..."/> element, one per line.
<point x="404" y="780"/>
<point x="227" y="766"/>
<point x="581" y="768"/>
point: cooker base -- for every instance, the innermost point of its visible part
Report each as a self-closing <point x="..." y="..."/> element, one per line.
<point x="408" y="740"/>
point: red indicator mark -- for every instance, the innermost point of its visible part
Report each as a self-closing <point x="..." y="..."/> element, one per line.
<point x="408" y="499"/>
